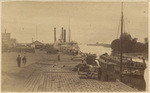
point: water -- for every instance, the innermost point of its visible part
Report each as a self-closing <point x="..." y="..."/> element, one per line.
<point x="99" y="50"/>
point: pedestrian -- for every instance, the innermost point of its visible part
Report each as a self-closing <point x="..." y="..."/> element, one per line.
<point x="58" y="56"/>
<point x="19" y="61"/>
<point x="24" y="60"/>
<point x="76" y="52"/>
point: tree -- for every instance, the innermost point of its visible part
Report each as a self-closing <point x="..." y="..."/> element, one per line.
<point x="126" y="36"/>
<point x="115" y="45"/>
<point x="146" y="44"/>
<point x="129" y="44"/>
<point x="134" y="40"/>
<point x="146" y="40"/>
<point x="126" y="42"/>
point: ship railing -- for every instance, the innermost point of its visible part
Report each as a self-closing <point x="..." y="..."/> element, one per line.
<point x="126" y="63"/>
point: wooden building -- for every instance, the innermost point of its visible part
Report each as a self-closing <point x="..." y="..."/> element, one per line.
<point x="36" y="44"/>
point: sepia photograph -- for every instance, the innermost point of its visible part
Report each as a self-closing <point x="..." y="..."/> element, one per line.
<point x="74" y="46"/>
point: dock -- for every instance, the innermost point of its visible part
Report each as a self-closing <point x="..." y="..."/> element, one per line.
<point x="46" y="74"/>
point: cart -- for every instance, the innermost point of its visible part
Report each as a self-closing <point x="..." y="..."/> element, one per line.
<point x="89" y="70"/>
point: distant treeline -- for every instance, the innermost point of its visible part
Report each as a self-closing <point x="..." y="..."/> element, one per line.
<point x="130" y="45"/>
<point x="99" y="44"/>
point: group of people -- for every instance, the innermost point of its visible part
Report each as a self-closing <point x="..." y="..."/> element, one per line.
<point x="24" y="60"/>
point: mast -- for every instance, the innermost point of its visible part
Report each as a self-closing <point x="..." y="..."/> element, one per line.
<point x="121" y="42"/>
<point x="69" y="30"/>
<point x="36" y="33"/>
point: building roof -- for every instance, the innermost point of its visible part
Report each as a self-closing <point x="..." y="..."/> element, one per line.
<point x="36" y="43"/>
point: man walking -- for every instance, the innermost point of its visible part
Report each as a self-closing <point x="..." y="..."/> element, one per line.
<point x="18" y="60"/>
<point x="24" y="60"/>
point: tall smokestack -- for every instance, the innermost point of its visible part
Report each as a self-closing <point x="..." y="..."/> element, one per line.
<point x="69" y="31"/>
<point x="54" y="35"/>
<point x="64" y="35"/>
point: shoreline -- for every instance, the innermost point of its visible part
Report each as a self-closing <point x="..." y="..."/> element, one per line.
<point x="96" y="50"/>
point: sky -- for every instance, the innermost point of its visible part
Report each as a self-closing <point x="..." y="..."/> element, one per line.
<point x="90" y="22"/>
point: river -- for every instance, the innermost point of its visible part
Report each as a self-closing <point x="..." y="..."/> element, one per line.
<point x="99" y="50"/>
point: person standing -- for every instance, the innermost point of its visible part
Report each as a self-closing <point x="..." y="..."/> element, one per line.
<point x="58" y="56"/>
<point x="19" y="61"/>
<point x="24" y="60"/>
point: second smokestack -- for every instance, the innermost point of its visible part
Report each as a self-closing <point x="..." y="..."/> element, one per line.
<point x="64" y="35"/>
